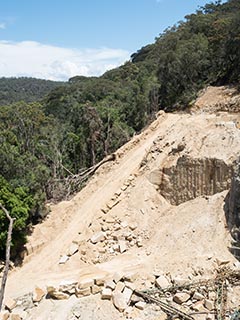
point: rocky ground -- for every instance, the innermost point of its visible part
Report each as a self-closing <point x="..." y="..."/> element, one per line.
<point x="155" y="221"/>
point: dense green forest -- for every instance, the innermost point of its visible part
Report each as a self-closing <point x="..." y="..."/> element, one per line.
<point x="76" y="124"/>
<point x="24" y="89"/>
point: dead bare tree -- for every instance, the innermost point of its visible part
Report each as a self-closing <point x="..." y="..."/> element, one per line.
<point x="7" y="261"/>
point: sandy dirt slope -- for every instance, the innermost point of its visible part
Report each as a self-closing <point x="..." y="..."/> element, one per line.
<point x="179" y="239"/>
<point x="74" y="217"/>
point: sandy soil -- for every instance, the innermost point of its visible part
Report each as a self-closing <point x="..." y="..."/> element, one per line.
<point x="178" y="239"/>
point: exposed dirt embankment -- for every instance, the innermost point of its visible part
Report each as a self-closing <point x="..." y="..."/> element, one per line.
<point x="158" y="209"/>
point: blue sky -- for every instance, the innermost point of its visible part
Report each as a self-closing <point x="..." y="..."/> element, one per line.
<point x="56" y="39"/>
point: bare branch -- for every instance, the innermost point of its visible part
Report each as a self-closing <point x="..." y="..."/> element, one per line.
<point x="8" y="247"/>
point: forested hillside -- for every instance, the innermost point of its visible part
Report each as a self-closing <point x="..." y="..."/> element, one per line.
<point x="78" y="123"/>
<point x="24" y="89"/>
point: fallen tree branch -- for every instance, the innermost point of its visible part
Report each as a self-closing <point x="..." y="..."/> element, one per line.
<point x="8" y="247"/>
<point x="72" y="183"/>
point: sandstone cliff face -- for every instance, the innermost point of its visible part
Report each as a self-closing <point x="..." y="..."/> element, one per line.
<point x="191" y="178"/>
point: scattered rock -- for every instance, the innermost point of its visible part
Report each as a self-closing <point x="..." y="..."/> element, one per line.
<point x="119" y="301"/>
<point x="122" y="246"/>
<point x="68" y="286"/>
<point x="181" y="297"/>
<point x="140" y="305"/>
<point x="96" y="289"/>
<point x="56" y="294"/>
<point x="198" y="296"/>
<point x="127" y="292"/>
<point x="162" y="282"/>
<point x="209" y="304"/>
<point x="9" y="303"/>
<point x="38" y="294"/>
<point x="106" y="294"/>
<point x="4" y="315"/>
<point x="72" y="249"/>
<point x="110" y="284"/>
<point x="82" y="292"/>
<point x="120" y="286"/>
<point x="97" y="237"/>
<point x="63" y="259"/>
<point x="85" y="283"/>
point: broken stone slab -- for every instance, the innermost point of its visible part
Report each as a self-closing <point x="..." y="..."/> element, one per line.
<point x="209" y="304"/>
<point x="140" y="305"/>
<point x="162" y="282"/>
<point x="122" y="246"/>
<point x="85" y="283"/>
<point x="72" y="249"/>
<point x="96" y="289"/>
<point x="127" y="292"/>
<point x="112" y="203"/>
<point x="82" y="292"/>
<point x="38" y="294"/>
<point x="97" y="237"/>
<point x="100" y="279"/>
<point x="10" y="303"/>
<point x="4" y="315"/>
<point x="119" y="301"/>
<point x="118" y="276"/>
<point x="181" y="297"/>
<point x="106" y="294"/>
<point x="110" y="284"/>
<point x="120" y="286"/>
<point x="198" y="306"/>
<point x="68" y="286"/>
<point x="198" y="296"/>
<point x="54" y="293"/>
<point x="124" y="224"/>
<point x="63" y="259"/>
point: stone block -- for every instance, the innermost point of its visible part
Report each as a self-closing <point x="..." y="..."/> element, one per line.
<point x="72" y="249"/>
<point x="68" y="286"/>
<point x="122" y="246"/>
<point x="120" y="286"/>
<point x="106" y="294"/>
<point x="110" y="284"/>
<point x="38" y="294"/>
<point x="119" y="301"/>
<point x="97" y="237"/>
<point x="63" y="259"/>
<point x="85" y="283"/>
<point x="82" y="292"/>
<point x="96" y="289"/>
<point x="181" y="297"/>
<point x="209" y="304"/>
<point x="4" y="315"/>
<point x="162" y="282"/>
<point x="140" y="305"/>
<point x="198" y="296"/>
<point x="127" y="292"/>
<point x="10" y="303"/>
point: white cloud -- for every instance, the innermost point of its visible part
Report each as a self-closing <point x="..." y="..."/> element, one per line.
<point x="33" y="59"/>
<point x="2" y="25"/>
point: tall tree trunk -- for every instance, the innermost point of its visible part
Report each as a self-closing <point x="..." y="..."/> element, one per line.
<point x="8" y="247"/>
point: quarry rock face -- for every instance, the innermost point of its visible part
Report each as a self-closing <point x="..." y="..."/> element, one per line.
<point x="194" y="177"/>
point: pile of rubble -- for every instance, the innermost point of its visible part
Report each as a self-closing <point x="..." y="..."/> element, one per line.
<point x="109" y="238"/>
<point x="200" y="300"/>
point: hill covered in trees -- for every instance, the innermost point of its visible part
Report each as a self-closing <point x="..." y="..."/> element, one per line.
<point x="24" y="89"/>
<point x="78" y="123"/>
